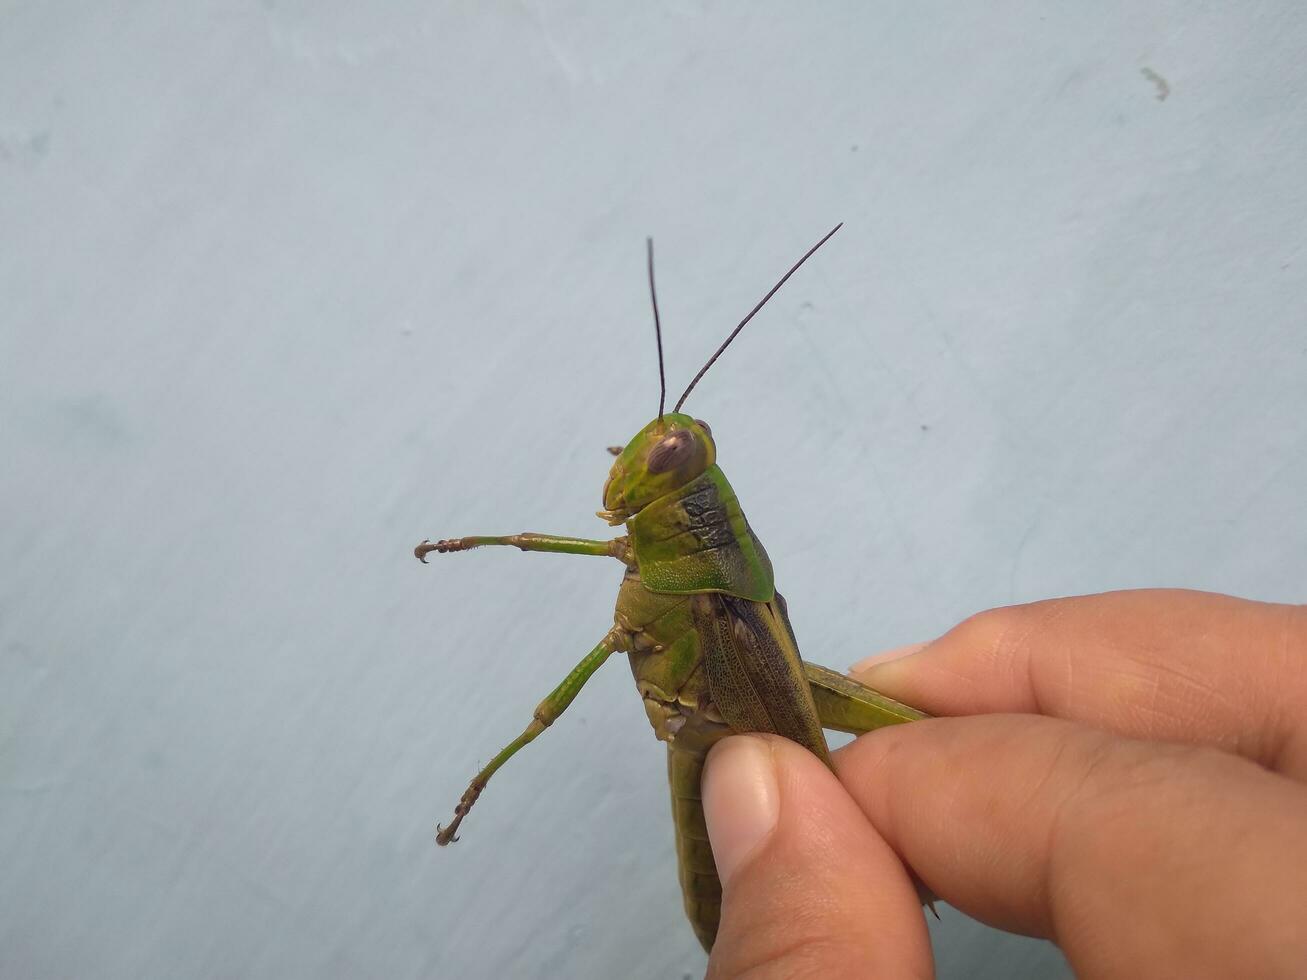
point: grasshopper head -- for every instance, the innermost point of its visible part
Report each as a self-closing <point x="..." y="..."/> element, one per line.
<point x="666" y="454"/>
<point x="674" y="448"/>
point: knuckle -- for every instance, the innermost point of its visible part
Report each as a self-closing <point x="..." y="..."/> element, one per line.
<point x="997" y="629"/>
<point x="1005" y="637"/>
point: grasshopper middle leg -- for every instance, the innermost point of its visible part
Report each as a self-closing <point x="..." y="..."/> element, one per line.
<point x="545" y="714"/>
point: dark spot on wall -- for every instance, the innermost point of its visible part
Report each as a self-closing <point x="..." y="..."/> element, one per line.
<point x="1163" y="87"/>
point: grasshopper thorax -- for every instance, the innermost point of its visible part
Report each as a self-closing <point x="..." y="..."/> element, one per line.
<point x="665" y="455"/>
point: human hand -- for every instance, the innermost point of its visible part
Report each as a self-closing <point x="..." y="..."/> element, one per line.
<point x="1130" y="784"/>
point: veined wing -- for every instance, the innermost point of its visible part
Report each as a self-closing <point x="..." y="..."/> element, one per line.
<point x="754" y="670"/>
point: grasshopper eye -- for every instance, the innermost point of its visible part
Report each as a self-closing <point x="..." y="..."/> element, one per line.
<point x="674" y="450"/>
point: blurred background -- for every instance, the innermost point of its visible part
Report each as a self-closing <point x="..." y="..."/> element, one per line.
<point x="286" y="287"/>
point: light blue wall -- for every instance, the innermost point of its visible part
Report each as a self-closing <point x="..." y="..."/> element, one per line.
<point x="285" y="287"/>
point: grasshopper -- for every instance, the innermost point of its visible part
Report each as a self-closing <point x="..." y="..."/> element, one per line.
<point x="708" y="636"/>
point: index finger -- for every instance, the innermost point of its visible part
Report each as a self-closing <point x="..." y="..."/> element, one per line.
<point x="1137" y="858"/>
<point x="1159" y="664"/>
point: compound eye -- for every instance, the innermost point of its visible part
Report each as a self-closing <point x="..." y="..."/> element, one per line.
<point x="674" y="450"/>
<point x="703" y="425"/>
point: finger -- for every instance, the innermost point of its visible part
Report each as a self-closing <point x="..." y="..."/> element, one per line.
<point x="1157" y="664"/>
<point x="1137" y="858"/>
<point x="809" y="889"/>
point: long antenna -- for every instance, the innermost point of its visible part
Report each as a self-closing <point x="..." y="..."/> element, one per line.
<point x="658" y="333"/>
<point x="761" y="303"/>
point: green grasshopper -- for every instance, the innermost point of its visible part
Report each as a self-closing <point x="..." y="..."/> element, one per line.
<point x="708" y="635"/>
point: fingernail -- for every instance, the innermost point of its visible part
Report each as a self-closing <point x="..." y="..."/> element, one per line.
<point x="741" y="800"/>
<point x="885" y="656"/>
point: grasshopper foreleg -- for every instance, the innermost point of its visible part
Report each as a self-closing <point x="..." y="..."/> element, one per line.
<point x="545" y="714"/>
<point x="618" y="548"/>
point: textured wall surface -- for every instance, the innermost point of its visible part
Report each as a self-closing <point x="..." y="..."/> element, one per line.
<point x="287" y="286"/>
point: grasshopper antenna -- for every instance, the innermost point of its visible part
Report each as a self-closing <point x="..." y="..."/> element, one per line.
<point x="658" y="333"/>
<point x="761" y="303"/>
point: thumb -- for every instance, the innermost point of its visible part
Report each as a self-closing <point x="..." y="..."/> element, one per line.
<point x="809" y="888"/>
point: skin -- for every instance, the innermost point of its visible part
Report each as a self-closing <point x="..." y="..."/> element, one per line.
<point x="1130" y="782"/>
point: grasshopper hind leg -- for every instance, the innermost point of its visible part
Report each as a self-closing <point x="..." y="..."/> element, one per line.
<point x="845" y="705"/>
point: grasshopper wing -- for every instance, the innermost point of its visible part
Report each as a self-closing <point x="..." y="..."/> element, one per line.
<point x="755" y="673"/>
